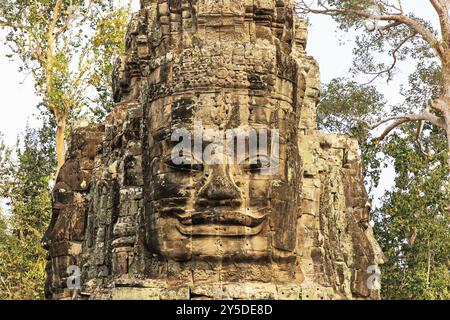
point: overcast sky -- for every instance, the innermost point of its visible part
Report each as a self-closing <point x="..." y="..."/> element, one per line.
<point x="18" y="101"/>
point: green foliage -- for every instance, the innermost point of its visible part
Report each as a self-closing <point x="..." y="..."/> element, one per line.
<point x="413" y="219"/>
<point x="69" y="47"/>
<point x="347" y="107"/>
<point x="26" y="187"/>
<point x="107" y="43"/>
<point x="424" y="83"/>
<point x="399" y="44"/>
<point x="380" y="44"/>
<point x="5" y="154"/>
<point x="412" y="223"/>
<point x="345" y="104"/>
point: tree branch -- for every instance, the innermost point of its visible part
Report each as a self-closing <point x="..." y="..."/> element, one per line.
<point x="49" y="52"/>
<point x="415" y="25"/>
<point x="439" y="105"/>
<point x="8" y="24"/>
<point x="418" y="135"/>
<point x="398" y="120"/>
<point x="442" y="12"/>
<point x="392" y="66"/>
<point x="394" y="57"/>
<point x="389" y="25"/>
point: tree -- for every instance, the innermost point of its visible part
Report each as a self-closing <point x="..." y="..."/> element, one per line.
<point x="412" y="221"/>
<point x="58" y="42"/>
<point x="401" y="35"/>
<point x="5" y="154"/>
<point x="347" y="107"/>
<point x="107" y="43"/>
<point x="26" y="185"/>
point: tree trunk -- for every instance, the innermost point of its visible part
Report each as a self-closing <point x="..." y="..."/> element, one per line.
<point x="60" y="145"/>
<point x="446" y="98"/>
<point x="447" y="123"/>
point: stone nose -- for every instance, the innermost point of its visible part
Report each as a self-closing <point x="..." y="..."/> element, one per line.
<point x="220" y="187"/>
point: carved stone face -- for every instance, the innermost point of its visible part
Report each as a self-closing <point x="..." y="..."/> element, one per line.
<point x="233" y="208"/>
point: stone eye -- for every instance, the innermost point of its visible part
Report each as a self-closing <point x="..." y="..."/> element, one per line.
<point x="187" y="164"/>
<point x="257" y="164"/>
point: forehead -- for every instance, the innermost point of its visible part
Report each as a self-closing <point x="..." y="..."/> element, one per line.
<point x="219" y="110"/>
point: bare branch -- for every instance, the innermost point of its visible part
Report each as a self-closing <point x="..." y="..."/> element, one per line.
<point x="394" y="55"/>
<point x="419" y="130"/>
<point x="392" y="66"/>
<point x="398" y="120"/>
<point x="415" y="25"/>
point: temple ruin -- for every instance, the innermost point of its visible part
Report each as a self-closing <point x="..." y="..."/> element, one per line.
<point x="131" y="223"/>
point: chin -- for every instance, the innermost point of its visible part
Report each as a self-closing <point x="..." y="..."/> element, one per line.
<point x="213" y="234"/>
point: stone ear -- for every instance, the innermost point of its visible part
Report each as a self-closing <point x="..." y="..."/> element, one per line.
<point x="308" y="92"/>
<point x="300" y="33"/>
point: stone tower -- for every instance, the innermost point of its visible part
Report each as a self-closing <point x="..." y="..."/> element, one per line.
<point x="131" y="222"/>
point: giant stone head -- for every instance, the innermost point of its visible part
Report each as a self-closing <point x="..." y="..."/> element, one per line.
<point x="209" y="178"/>
<point x="222" y="170"/>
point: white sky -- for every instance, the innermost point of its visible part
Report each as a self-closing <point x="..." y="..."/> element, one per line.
<point x="18" y="101"/>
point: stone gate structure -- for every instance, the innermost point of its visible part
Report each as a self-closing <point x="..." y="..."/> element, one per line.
<point x="137" y="225"/>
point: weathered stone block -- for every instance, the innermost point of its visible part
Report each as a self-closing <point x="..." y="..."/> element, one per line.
<point x="142" y="225"/>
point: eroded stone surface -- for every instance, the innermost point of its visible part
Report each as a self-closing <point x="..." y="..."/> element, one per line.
<point x="139" y="226"/>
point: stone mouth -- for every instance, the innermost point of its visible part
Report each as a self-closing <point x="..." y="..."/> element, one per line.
<point x="216" y="222"/>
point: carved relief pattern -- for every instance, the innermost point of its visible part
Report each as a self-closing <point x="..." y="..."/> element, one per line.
<point x="142" y="227"/>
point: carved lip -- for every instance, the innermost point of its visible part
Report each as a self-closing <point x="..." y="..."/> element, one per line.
<point x="215" y="230"/>
<point x="221" y="218"/>
<point x="220" y="223"/>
